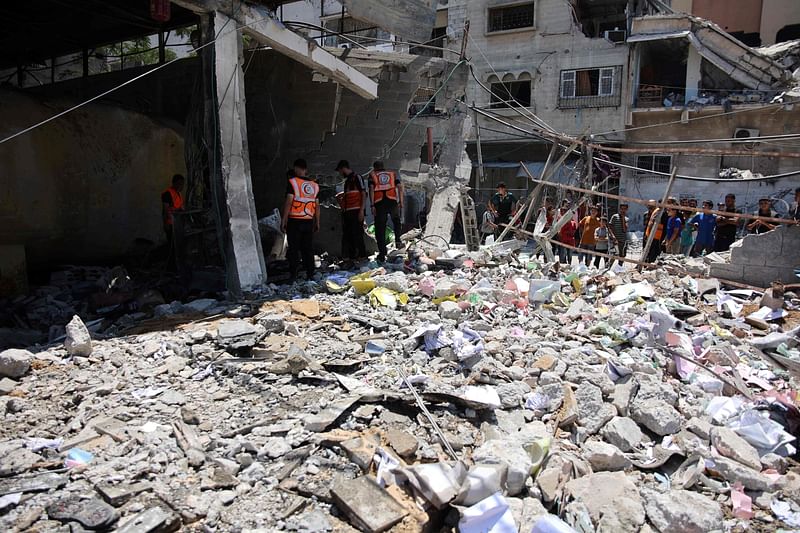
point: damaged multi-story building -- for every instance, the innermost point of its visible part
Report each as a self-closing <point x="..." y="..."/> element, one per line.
<point x="653" y="86"/>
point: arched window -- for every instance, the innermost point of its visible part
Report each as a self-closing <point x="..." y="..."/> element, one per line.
<point x="513" y="91"/>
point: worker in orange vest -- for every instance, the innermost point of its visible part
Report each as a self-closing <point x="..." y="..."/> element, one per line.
<point x="171" y="201"/>
<point x="386" y="194"/>
<point x="300" y="219"/>
<point x="352" y="200"/>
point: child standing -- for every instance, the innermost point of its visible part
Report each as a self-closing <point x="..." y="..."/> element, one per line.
<point x="601" y="238"/>
<point x="672" y="242"/>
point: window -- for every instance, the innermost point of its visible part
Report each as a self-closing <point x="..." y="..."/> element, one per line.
<point x="654" y="163"/>
<point x="510" y="94"/>
<point x="511" y="17"/>
<point x="595" y="87"/>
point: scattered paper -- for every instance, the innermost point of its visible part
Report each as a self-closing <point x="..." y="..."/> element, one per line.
<point x="491" y="515"/>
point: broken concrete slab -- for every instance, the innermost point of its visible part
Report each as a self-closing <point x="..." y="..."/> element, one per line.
<point x="731" y="445"/>
<point x="602" y="492"/>
<point x="682" y="510"/>
<point x="402" y="442"/>
<point x="326" y="417"/>
<point x="366" y="504"/>
<point x="116" y="495"/>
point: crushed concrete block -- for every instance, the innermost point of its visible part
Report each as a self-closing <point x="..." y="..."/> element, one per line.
<point x="681" y="510"/>
<point x="623" y="433"/>
<point x="657" y="415"/>
<point x="366" y="504"/>
<point x="511" y="454"/>
<point x="593" y="412"/>
<point x="7" y="385"/>
<point x="733" y="471"/>
<point x="78" y="341"/>
<point x="449" y="310"/>
<point x="402" y="442"/>
<point x="15" y="363"/>
<point x="603" y="456"/>
<point x="700" y="427"/>
<point x="361" y="450"/>
<point x="603" y="491"/>
<point x="731" y="445"/>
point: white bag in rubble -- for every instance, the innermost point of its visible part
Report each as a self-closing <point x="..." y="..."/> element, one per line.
<point x="271" y="222"/>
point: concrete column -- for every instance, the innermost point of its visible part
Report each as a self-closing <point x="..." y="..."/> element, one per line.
<point x="230" y="160"/>
<point x="693" y="73"/>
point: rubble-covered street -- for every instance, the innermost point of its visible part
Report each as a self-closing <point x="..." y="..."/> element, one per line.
<point x="488" y="391"/>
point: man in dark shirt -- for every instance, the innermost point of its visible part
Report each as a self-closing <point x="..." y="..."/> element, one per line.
<point x="758" y="225"/>
<point x="353" y="200"/>
<point x="503" y="205"/>
<point x="726" y="226"/>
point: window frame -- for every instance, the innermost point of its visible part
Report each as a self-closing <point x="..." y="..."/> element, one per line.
<point x="488" y="13"/>
<point x="640" y="167"/>
<point x="609" y="85"/>
<point x="503" y="105"/>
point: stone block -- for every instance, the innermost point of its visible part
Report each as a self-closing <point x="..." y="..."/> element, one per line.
<point x="367" y="505"/>
<point x="727" y="271"/>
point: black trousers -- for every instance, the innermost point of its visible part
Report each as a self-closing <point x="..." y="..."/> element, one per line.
<point x="723" y="242"/>
<point x="172" y="265"/>
<point x="300" y="234"/>
<point x="383" y="209"/>
<point x="654" y="252"/>
<point x="353" y="235"/>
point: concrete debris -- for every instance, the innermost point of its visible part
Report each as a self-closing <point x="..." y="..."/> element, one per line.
<point x="603" y="456"/>
<point x="682" y="510"/>
<point x="326" y="410"/>
<point x="78" y="341"/>
<point x="367" y="504"/>
<point x="14" y="363"/>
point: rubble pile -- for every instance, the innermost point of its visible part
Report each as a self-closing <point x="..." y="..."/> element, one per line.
<point x="482" y="392"/>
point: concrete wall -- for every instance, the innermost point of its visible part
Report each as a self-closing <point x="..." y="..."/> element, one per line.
<point x="555" y="44"/>
<point x="763" y="259"/>
<point x="82" y="188"/>
<point x="775" y="15"/>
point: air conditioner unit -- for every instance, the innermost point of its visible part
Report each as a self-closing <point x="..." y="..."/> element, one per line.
<point x="745" y="133"/>
<point x="615" y="36"/>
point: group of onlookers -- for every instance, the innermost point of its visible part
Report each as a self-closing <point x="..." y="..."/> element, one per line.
<point x="682" y="230"/>
<point x="678" y="229"/>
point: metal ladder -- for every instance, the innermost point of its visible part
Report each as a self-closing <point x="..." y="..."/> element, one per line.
<point x="469" y="219"/>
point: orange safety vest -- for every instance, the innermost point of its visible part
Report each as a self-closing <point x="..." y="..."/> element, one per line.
<point x="304" y="203"/>
<point x="384" y="183"/>
<point x="351" y="201"/>
<point x="177" y="203"/>
<point x="659" y="228"/>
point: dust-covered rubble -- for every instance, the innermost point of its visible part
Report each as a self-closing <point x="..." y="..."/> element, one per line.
<point x="409" y="397"/>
